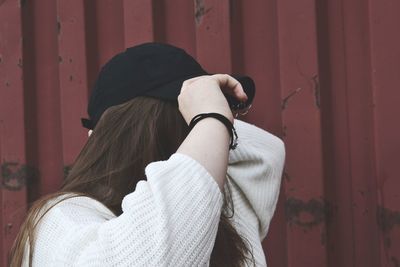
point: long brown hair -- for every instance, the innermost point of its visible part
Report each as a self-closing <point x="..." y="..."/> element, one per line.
<point x="127" y="138"/>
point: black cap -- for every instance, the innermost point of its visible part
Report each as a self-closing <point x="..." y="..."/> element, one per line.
<point x="149" y="69"/>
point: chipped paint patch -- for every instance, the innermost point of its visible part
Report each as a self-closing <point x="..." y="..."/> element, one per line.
<point x="387" y="219"/>
<point x="14" y="176"/>
<point x="200" y="11"/>
<point x="306" y="214"/>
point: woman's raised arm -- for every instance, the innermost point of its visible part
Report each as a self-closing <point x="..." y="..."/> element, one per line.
<point x="208" y="142"/>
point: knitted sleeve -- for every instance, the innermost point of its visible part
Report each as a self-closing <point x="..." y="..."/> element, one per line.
<point x="169" y="220"/>
<point x="254" y="175"/>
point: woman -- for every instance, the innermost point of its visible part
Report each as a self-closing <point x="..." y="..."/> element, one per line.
<point x="149" y="190"/>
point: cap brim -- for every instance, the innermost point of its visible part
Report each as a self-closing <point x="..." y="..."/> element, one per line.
<point x="249" y="88"/>
<point x="170" y="91"/>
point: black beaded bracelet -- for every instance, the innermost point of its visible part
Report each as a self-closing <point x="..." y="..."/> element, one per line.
<point x="221" y="118"/>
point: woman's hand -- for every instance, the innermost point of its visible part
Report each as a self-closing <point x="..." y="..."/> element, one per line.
<point x="205" y="94"/>
<point x="208" y="141"/>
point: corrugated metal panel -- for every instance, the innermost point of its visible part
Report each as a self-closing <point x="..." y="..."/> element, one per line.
<point x="327" y="74"/>
<point x="13" y="158"/>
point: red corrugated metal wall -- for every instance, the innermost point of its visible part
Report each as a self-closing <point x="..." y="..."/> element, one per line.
<point x="328" y="77"/>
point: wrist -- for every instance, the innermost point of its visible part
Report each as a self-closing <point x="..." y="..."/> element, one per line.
<point x="224" y="120"/>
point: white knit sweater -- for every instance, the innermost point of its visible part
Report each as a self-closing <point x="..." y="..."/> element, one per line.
<point x="172" y="218"/>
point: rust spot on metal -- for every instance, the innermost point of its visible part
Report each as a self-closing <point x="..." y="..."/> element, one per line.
<point x="306" y="214"/>
<point x="14" y="176"/>
<point x="60" y="59"/>
<point x="387" y="219"/>
<point x="19" y="64"/>
<point x="7" y="83"/>
<point x="200" y="11"/>
<point x="71" y="78"/>
<point x="286" y="99"/>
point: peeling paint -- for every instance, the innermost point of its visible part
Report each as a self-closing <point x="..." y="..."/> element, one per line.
<point x="200" y="11"/>
<point x="313" y="82"/>
<point x="306" y="214"/>
<point x="15" y="176"/>
<point x="286" y="99"/>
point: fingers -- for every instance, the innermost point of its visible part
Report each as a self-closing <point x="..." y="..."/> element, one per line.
<point x="230" y="85"/>
<point x="227" y="83"/>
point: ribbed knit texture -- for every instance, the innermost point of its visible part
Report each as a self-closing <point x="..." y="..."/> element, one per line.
<point x="172" y="218"/>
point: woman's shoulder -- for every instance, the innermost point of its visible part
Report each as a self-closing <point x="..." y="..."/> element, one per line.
<point x="76" y="207"/>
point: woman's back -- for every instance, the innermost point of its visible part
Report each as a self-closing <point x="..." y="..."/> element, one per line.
<point x="176" y="206"/>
